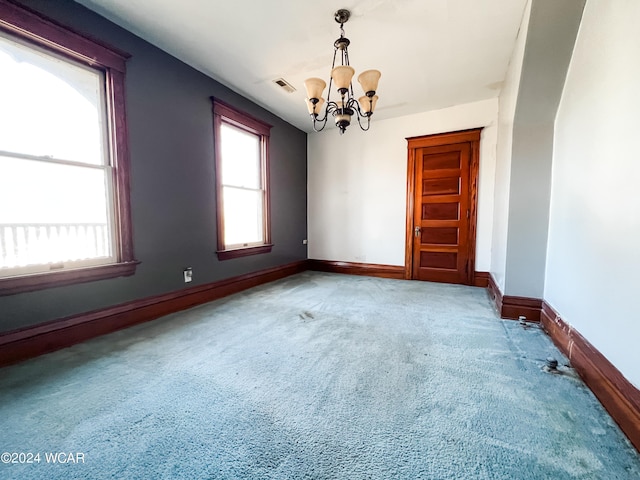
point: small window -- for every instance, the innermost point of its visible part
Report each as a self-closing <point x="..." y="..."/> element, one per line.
<point x="242" y="154"/>
<point x="64" y="209"/>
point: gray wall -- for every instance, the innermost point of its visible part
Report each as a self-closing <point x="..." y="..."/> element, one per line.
<point x="172" y="181"/>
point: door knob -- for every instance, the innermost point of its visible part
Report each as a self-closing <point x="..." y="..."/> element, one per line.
<point x="417" y="231"/>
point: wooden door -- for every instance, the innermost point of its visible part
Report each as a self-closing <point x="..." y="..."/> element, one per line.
<point x="442" y="227"/>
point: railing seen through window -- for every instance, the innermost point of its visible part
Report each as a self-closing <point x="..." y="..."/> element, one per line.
<point x="23" y="244"/>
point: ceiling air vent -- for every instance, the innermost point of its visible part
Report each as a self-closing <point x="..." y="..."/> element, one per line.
<point x="282" y="83"/>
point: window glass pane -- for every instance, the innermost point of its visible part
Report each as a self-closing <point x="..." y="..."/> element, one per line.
<point x="240" y="157"/>
<point x="49" y="106"/>
<point x="242" y="216"/>
<point x="52" y="213"/>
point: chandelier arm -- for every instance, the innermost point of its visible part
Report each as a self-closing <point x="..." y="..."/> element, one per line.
<point x="323" y="121"/>
<point x="360" y="123"/>
<point x="330" y="107"/>
<point x="354" y="105"/>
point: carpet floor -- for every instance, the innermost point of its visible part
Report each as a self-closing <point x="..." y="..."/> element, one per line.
<point x="316" y="376"/>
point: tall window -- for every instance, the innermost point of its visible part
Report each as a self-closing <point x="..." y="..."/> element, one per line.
<point x="242" y="154"/>
<point x="64" y="213"/>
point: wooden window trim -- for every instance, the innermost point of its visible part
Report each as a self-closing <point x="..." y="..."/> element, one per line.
<point x="223" y="112"/>
<point x="29" y="25"/>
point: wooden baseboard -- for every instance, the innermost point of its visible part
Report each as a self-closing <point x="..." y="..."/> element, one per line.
<point x="618" y="396"/>
<point x="512" y="307"/>
<point x="495" y="294"/>
<point x="368" y="269"/>
<point x="30" y="342"/>
<point x="516" y="307"/>
<point x="481" y="279"/>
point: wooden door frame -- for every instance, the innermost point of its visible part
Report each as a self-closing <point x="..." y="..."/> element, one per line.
<point x="471" y="136"/>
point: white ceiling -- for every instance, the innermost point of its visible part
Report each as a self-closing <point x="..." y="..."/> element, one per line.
<point x="432" y="53"/>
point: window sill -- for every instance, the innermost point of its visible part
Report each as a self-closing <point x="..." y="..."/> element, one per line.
<point x="243" y="252"/>
<point x="39" y="281"/>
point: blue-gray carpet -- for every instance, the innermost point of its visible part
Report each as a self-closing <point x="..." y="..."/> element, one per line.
<point x="317" y="376"/>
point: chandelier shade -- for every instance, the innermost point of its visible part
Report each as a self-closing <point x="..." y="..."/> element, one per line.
<point x="369" y="80"/>
<point x="342" y="76"/>
<point x="346" y="106"/>
<point x="315" y="107"/>
<point x="315" y="87"/>
<point x="368" y="104"/>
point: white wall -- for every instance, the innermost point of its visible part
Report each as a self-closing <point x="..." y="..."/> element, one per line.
<point x="551" y="36"/>
<point x="357" y="184"/>
<point x="593" y="256"/>
<point x="507" y="110"/>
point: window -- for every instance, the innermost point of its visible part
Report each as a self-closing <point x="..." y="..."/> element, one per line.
<point x="64" y="201"/>
<point x="242" y="182"/>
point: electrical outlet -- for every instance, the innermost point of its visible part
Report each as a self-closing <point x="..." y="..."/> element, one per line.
<point x="188" y="274"/>
<point x="305" y="241"/>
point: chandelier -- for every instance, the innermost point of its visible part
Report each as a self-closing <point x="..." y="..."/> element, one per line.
<point x="347" y="105"/>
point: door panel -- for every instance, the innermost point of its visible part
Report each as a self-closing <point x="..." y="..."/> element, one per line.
<point x="440" y="235"/>
<point x="441" y="186"/>
<point x="442" y="206"/>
